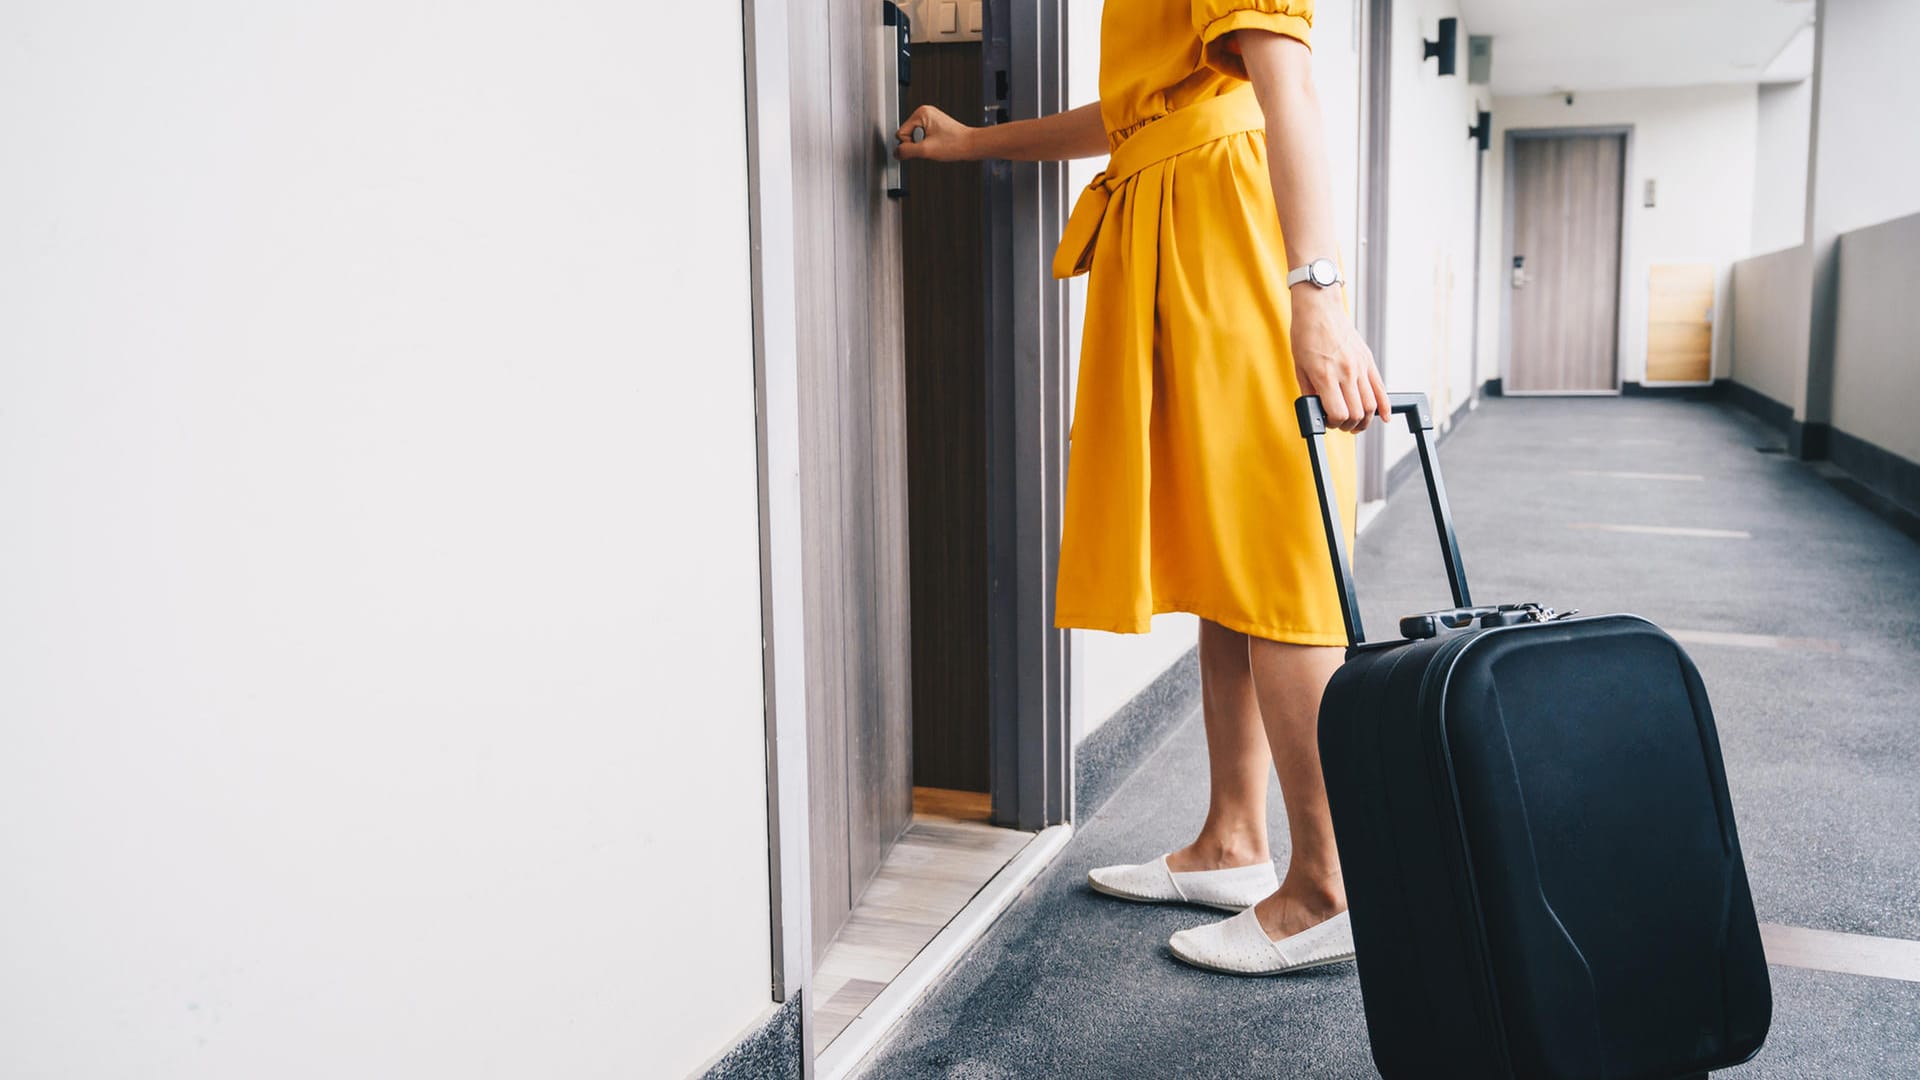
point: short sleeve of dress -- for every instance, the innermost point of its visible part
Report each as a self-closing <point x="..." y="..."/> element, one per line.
<point x="1213" y="20"/>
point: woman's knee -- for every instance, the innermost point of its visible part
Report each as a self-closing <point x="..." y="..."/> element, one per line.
<point x="1212" y="633"/>
<point x="1294" y="657"/>
<point x="1221" y="647"/>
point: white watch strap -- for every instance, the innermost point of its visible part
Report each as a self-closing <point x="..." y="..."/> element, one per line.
<point x="1305" y="273"/>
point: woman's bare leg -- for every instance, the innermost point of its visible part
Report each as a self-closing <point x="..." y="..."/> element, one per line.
<point x="1289" y="680"/>
<point x="1235" y="832"/>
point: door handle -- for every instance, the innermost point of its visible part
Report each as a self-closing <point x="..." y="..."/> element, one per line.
<point x="896" y="68"/>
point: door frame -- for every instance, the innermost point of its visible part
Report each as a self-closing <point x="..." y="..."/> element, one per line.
<point x="776" y="379"/>
<point x="1029" y="660"/>
<point x="1375" y="19"/>
<point x="1513" y="135"/>
<point x="1028" y="403"/>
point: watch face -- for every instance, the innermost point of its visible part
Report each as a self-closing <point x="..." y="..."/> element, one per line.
<point x="1323" y="272"/>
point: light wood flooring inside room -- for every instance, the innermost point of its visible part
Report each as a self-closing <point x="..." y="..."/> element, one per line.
<point x="938" y="865"/>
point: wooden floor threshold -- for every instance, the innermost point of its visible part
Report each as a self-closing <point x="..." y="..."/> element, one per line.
<point x="946" y="880"/>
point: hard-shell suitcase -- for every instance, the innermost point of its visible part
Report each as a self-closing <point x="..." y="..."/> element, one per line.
<point x="1532" y="818"/>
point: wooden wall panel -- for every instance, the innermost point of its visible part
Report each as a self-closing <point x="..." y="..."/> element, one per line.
<point x="1680" y="323"/>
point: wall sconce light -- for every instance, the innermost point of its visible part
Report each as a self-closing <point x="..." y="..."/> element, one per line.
<point x="1482" y="130"/>
<point x="1446" y="48"/>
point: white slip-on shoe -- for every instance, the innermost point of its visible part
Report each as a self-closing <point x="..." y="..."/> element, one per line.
<point x="1240" y="946"/>
<point x="1230" y="889"/>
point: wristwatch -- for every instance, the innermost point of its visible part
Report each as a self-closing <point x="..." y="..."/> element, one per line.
<point x="1322" y="272"/>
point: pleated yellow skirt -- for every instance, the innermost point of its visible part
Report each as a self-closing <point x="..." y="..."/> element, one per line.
<point x="1188" y="485"/>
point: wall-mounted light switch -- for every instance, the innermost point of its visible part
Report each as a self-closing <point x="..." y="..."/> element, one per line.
<point x="945" y="20"/>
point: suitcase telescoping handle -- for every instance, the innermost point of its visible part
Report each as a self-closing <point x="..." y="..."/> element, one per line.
<point x="1313" y="426"/>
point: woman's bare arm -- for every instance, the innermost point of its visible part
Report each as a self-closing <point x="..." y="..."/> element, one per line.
<point x="1076" y="133"/>
<point x="1328" y="355"/>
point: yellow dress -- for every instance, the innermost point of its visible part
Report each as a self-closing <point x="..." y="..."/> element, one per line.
<point x="1188" y="487"/>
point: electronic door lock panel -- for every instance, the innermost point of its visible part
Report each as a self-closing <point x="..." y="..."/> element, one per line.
<point x="944" y="21"/>
<point x="896" y="71"/>
<point x="998" y="113"/>
<point x="1520" y="278"/>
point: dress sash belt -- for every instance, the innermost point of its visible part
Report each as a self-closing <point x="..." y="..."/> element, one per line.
<point x="1175" y="133"/>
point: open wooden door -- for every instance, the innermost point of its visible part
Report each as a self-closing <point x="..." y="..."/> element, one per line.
<point x="852" y="451"/>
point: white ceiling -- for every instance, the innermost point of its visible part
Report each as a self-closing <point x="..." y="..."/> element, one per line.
<point x="1545" y="45"/>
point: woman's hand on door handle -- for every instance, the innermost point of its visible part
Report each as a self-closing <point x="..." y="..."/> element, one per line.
<point x="1075" y="133"/>
<point x="944" y="138"/>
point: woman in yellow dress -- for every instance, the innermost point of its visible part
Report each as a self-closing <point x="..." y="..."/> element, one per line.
<point x="1212" y="302"/>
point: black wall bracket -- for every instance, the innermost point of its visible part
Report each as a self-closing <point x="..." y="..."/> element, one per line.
<point x="1447" y="48"/>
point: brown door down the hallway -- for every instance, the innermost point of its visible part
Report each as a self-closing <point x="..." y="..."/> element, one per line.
<point x="852" y="456"/>
<point x="1566" y="239"/>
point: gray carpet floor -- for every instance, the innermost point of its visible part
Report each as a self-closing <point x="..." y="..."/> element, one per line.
<point x="1822" y="746"/>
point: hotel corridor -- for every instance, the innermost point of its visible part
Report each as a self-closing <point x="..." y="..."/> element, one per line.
<point x="1801" y="608"/>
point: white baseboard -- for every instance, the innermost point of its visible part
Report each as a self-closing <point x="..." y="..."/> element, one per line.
<point x="1367" y="514"/>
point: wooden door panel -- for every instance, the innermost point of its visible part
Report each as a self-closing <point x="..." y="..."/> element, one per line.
<point x="1593" y="262"/>
<point x="853" y="215"/>
<point x="853" y="512"/>
<point x="1535" y="167"/>
<point x="867" y="279"/>
<point x="812" y="134"/>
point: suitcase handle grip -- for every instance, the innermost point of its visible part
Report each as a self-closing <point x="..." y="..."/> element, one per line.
<point x="1429" y="623"/>
<point x="1313" y="427"/>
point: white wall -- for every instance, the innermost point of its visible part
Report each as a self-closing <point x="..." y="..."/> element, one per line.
<point x="1697" y="142"/>
<point x="1109" y="669"/>
<point x="1876" y="355"/>
<point x="1863" y="169"/>
<point x="1780" y="165"/>
<point x="1429" y="326"/>
<point x="1869" y="109"/>
<point x="378" y="550"/>
<point x="1769" y="329"/>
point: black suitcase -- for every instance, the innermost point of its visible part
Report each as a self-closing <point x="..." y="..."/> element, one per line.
<point x="1533" y="823"/>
